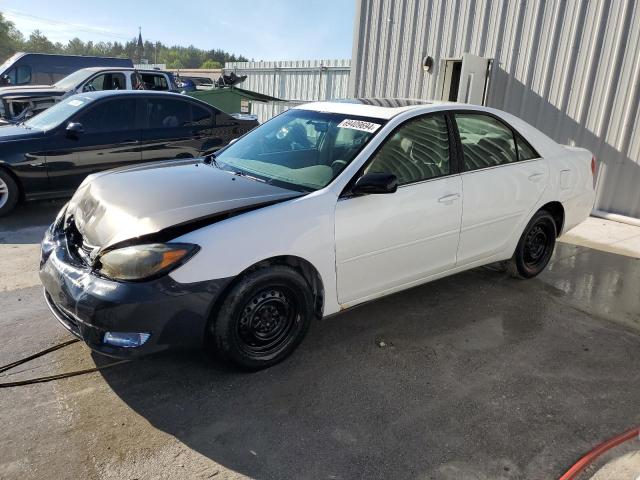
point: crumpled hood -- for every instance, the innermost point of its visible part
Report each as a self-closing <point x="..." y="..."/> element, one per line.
<point x="127" y="203"/>
<point x="31" y="91"/>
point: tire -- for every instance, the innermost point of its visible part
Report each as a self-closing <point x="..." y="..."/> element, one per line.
<point x="263" y="318"/>
<point x="535" y="247"/>
<point x="9" y="193"/>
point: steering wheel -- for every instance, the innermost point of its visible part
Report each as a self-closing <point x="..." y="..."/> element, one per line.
<point x="337" y="166"/>
<point x="88" y="88"/>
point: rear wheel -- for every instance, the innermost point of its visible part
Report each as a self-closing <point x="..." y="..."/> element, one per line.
<point x="535" y="247"/>
<point x="264" y="318"/>
<point x="9" y="193"/>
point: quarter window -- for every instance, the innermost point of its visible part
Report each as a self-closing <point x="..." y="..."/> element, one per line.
<point x="418" y="151"/>
<point x="200" y="116"/>
<point x="486" y="141"/>
<point x="525" y="151"/>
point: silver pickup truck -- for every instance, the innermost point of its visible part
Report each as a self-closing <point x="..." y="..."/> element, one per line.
<point x="22" y="102"/>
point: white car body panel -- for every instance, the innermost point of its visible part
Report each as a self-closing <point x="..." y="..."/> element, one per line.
<point x="369" y="246"/>
<point x="492" y="216"/>
<point x="379" y="237"/>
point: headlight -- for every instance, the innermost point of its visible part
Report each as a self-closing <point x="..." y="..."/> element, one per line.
<point x="141" y="262"/>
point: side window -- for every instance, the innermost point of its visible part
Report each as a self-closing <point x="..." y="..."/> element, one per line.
<point x="525" y="151"/>
<point x="154" y="81"/>
<point x="168" y="113"/>
<point x="419" y="150"/>
<point x="110" y="116"/>
<point x="19" y="75"/>
<point x="200" y="116"/>
<point x="107" y="81"/>
<point x="486" y="141"/>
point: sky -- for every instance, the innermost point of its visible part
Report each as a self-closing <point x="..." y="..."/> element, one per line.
<point x="257" y="29"/>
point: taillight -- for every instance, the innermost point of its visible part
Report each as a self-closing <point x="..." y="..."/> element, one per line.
<point x="593" y="167"/>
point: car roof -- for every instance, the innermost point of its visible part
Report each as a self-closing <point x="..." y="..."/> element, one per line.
<point x="121" y="69"/>
<point x="113" y="93"/>
<point x="383" y="108"/>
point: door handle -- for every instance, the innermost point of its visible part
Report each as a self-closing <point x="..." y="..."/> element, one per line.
<point x="449" y="199"/>
<point x="534" y="177"/>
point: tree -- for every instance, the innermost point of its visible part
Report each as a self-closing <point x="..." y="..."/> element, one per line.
<point x="38" y="43"/>
<point x="11" y="40"/>
<point x="211" y="64"/>
<point x="175" y="56"/>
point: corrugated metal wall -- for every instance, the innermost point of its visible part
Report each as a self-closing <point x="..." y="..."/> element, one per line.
<point x="569" y="67"/>
<point x="297" y="81"/>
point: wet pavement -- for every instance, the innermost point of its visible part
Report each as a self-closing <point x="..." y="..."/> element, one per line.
<point x="482" y="377"/>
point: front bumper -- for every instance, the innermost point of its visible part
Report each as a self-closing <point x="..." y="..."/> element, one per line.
<point x="88" y="305"/>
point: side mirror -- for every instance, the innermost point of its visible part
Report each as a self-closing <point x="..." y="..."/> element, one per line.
<point x="375" y="183"/>
<point x="4" y="81"/>
<point x="74" y="129"/>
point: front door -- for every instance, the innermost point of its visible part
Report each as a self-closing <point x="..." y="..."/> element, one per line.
<point x="109" y="139"/>
<point x="388" y="241"/>
<point x="503" y="179"/>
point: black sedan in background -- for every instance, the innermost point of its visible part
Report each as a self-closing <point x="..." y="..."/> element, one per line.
<point x="50" y="154"/>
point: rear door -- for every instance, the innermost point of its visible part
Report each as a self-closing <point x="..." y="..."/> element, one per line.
<point x="168" y="128"/>
<point x="503" y="178"/>
<point x="110" y="139"/>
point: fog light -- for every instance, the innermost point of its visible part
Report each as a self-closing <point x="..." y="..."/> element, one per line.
<point x="125" y="339"/>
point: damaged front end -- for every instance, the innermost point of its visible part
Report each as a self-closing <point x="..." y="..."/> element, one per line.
<point x="16" y="109"/>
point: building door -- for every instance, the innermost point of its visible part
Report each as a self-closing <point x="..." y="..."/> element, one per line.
<point x="463" y="79"/>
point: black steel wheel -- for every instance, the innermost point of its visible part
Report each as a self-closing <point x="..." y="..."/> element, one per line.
<point x="263" y="318"/>
<point x="535" y="247"/>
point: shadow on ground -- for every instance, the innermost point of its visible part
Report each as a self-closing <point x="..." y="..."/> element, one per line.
<point x="481" y="377"/>
<point x="28" y="222"/>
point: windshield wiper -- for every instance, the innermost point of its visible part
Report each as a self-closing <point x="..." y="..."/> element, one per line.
<point x="246" y="175"/>
<point x="211" y="160"/>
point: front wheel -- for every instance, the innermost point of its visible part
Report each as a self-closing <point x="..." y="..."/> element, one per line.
<point x="9" y="193"/>
<point x="264" y="318"/>
<point x="535" y="247"/>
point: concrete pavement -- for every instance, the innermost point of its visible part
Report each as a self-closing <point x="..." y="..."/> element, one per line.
<point x="482" y="377"/>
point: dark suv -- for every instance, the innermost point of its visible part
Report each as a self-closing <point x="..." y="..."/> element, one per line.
<point x="50" y="154"/>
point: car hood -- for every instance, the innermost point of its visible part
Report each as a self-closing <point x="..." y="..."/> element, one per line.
<point x="126" y="204"/>
<point x="10" y="132"/>
<point x="30" y="91"/>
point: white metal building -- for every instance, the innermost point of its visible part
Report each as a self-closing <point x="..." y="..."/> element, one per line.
<point x="299" y="81"/>
<point x="569" y="67"/>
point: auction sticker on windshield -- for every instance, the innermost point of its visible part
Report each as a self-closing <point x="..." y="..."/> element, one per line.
<point x="359" y="125"/>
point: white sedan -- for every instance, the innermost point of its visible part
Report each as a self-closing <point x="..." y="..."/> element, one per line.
<point x="324" y="207"/>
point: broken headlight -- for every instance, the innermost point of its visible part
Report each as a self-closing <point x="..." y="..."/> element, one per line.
<point x="143" y="262"/>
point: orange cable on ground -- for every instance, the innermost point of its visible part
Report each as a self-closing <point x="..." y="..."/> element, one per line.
<point x="581" y="464"/>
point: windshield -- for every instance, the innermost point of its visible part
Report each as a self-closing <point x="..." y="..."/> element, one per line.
<point x="54" y="116"/>
<point x="9" y="62"/>
<point x="73" y="80"/>
<point x="300" y="149"/>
